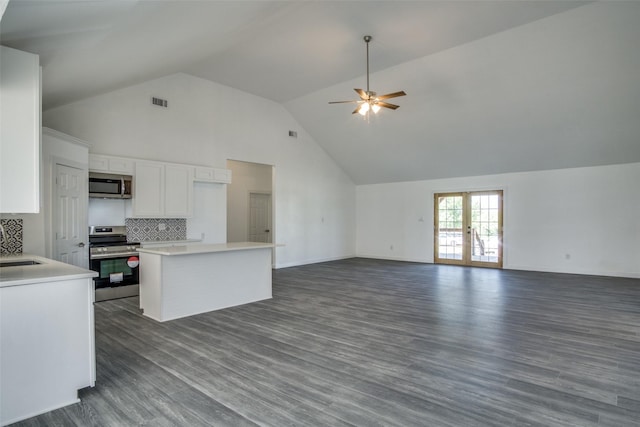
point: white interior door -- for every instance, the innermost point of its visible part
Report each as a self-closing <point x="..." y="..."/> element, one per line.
<point x="70" y="216"/>
<point x="260" y="217"/>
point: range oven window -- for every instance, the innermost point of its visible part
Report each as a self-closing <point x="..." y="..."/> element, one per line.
<point x="115" y="271"/>
<point x="111" y="266"/>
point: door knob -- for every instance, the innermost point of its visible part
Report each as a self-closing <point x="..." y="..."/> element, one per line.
<point x="81" y="245"/>
<point x="266" y="231"/>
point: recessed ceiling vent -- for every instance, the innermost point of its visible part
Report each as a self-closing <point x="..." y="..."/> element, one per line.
<point x="160" y="102"/>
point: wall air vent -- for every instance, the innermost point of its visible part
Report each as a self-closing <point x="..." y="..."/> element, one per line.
<point x="160" y="102"/>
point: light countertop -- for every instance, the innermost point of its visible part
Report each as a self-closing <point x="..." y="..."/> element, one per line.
<point x="47" y="271"/>
<point x="169" y="242"/>
<point x="204" y="248"/>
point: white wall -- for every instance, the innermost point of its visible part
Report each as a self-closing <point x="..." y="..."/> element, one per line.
<point x="208" y="123"/>
<point x="592" y="214"/>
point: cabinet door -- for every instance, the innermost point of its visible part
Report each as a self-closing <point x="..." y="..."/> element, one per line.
<point x="222" y="176"/>
<point x="120" y="165"/>
<point x="19" y="131"/>
<point x="178" y="191"/>
<point x="148" y="191"/>
<point x="98" y="163"/>
<point x="204" y="174"/>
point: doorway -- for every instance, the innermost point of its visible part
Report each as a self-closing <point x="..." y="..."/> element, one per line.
<point x="249" y="202"/>
<point x="468" y="228"/>
<point x="70" y="215"/>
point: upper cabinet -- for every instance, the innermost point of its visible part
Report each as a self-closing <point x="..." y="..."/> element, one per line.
<point x="162" y="190"/>
<point x="206" y="174"/>
<point x="109" y="164"/>
<point x="20" y="130"/>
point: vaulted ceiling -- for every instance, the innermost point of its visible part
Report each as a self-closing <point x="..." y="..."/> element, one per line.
<point x="492" y="86"/>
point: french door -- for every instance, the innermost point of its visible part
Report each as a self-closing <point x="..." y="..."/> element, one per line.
<point x="468" y="228"/>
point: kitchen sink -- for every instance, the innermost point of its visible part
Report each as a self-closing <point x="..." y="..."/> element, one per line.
<point x="20" y="263"/>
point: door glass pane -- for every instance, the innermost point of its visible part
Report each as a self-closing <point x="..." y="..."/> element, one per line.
<point x="485" y="227"/>
<point x="450" y="227"/>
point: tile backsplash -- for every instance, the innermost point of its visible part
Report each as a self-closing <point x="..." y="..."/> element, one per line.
<point x="152" y="229"/>
<point x="11" y="241"/>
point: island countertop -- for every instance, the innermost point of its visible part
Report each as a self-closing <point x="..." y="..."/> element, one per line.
<point x="47" y="270"/>
<point x="204" y="248"/>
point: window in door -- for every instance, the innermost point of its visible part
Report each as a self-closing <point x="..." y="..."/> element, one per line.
<point x="468" y="228"/>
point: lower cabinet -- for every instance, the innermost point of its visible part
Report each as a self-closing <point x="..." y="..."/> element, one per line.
<point x="162" y="190"/>
<point x="47" y="350"/>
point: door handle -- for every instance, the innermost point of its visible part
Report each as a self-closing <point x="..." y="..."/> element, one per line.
<point x="266" y="231"/>
<point x="81" y="245"/>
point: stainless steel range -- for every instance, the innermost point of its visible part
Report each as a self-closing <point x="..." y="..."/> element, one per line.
<point x="115" y="260"/>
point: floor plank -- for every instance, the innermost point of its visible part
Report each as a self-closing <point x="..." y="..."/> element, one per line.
<point x="369" y="342"/>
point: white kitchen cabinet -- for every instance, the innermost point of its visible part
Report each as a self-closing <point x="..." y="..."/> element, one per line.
<point x="162" y="190"/>
<point x="20" y="124"/>
<point x="110" y="164"/>
<point x="47" y="350"/>
<point x="178" y="191"/>
<point x="206" y="174"/>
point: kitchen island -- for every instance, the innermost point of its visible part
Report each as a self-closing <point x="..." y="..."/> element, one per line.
<point x="47" y="350"/>
<point x="180" y="281"/>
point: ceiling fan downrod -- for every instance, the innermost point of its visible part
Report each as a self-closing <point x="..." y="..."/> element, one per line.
<point x="367" y="39"/>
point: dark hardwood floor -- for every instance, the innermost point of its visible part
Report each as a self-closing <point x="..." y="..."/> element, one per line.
<point x="377" y="343"/>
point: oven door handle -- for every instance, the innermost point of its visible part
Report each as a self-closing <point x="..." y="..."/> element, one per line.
<point x="113" y="255"/>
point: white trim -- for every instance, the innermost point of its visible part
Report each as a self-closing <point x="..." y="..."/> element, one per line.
<point x="68" y="138"/>
<point x="313" y="261"/>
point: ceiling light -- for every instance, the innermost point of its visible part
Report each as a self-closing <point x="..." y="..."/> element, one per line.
<point x="369" y="100"/>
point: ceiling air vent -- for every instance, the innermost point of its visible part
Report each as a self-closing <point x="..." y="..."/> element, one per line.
<point x="160" y="102"/>
<point x="293" y="134"/>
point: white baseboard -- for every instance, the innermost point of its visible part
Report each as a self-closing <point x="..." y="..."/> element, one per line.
<point x="312" y="261"/>
<point x="391" y="258"/>
<point x="580" y="272"/>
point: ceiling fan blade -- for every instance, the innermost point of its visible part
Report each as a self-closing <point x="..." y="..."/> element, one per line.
<point x="362" y="94"/>
<point x="356" y="110"/>
<point x="392" y="95"/>
<point x="342" y="102"/>
<point x="387" y="105"/>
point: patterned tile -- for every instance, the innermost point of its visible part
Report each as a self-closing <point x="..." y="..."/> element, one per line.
<point x="148" y="230"/>
<point x="11" y="241"/>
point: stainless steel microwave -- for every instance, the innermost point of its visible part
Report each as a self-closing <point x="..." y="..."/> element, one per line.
<point x="109" y="186"/>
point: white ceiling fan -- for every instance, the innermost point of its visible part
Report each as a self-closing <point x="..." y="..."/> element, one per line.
<point x="369" y="100"/>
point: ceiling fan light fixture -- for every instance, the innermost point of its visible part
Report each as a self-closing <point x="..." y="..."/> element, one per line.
<point x="369" y="100"/>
